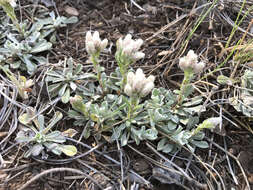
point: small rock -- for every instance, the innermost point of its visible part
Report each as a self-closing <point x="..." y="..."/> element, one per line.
<point x="71" y="11"/>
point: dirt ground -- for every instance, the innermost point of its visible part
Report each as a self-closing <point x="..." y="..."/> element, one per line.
<point x="165" y="26"/>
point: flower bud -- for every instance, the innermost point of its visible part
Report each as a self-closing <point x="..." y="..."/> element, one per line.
<point x="104" y="43"/>
<point x="130" y="78"/>
<point x="129" y="48"/>
<point x="138" y="55"/>
<point x="138" y="84"/>
<point x="199" y="67"/>
<point x="192" y="57"/>
<point x="147" y="89"/>
<point x="214" y="121"/>
<point x="191" y="61"/>
<point x="137" y="44"/>
<point x="90" y="47"/>
<point x="151" y="78"/>
<point x="128" y="90"/>
<point x="127" y="41"/>
<point x="93" y="43"/>
<point x="139" y="80"/>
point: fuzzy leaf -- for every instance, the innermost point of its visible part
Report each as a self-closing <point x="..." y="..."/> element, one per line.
<point x="69" y="150"/>
<point x="200" y="144"/>
<point x="42" y="46"/>
<point x="69" y="133"/>
<point x="66" y="96"/>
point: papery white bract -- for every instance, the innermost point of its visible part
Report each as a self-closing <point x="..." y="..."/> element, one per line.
<point x="191" y="61"/>
<point x="138" y="84"/>
<point x="94" y="44"/>
<point x="130" y="48"/>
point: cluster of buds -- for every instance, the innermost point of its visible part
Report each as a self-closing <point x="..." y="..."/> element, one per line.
<point x="130" y="48"/>
<point x="94" y="45"/>
<point x="138" y="84"/>
<point x="191" y="61"/>
<point x="11" y="2"/>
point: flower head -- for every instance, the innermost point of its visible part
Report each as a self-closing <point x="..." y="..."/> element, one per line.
<point x="94" y="44"/>
<point x="138" y="84"/>
<point x="130" y="48"/>
<point x="191" y="61"/>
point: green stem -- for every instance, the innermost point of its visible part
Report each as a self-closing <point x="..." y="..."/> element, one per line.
<point x="94" y="59"/>
<point x="188" y="74"/>
<point x="133" y="103"/>
<point x="9" y="10"/>
<point x="123" y="63"/>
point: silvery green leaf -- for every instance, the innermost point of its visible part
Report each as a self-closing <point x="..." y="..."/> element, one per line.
<point x="52" y="15"/>
<point x="53" y="147"/>
<point x="63" y="89"/>
<point x="54" y="87"/>
<point x="75" y="115"/>
<point x="55" y="136"/>
<point x="23" y="137"/>
<point x="86" y="132"/>
<point x="12" y="38"/>
<point x="41" y="46"/>
<point x="158" y="116"/>
<point x="184" y="121"/>
<point x="31" y="67"/>
<point x="224" y="80"/>
<point x="70" y="20"/>
<point x="192" y="122"/>
<point x="171" y="125"/>
<point x="161" y="144"/>
<point x="35" y="150"/>
<point x="4" y="50"/>
<point x="195" y="109"/>
<point x="188" y="89"/>
<point x="54" y="74"/>
<point x="199" y="136"/>
<point x="200" y="144"/>
<point x="15" y="64"/>
<point x="73" y="86"/>
<point x="41" y="122"/>
<point x="117" y="131"/>
<point x="164" y="146"/>
<point x="180" y="138"/>
<point x="32" y="38"/>
<point x="66" y="96"/>
<point x="191" y="148"/>
<point x="78" y="69"/>
<point x="57" y="117"/>
<point x="173" y="118"/>
<point x="168" y="148"/>
<point x="193" y="101"/>
<point x="150" y="134"/>
<point x="40" y="59"/>
<point x="36" y="27"/>
<point x="124" y="138"/>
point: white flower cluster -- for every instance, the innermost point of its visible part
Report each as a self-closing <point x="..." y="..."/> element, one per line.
<point x="138" y="84"/>
<point x="191" y="61"/>
<point x="11" y="2"/>
<point x="94" y="44"/>
<point x="130" y="47"/>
